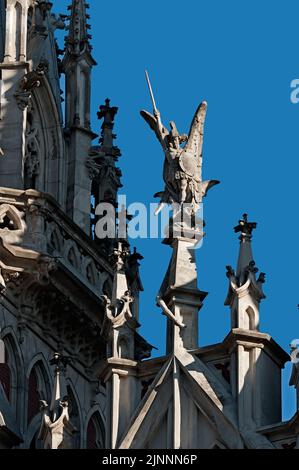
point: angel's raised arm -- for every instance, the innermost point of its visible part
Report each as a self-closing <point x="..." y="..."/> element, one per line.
<point x="156" y="125"/>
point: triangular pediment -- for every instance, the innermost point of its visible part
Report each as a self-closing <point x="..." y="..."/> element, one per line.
<point x="182" y="410"/>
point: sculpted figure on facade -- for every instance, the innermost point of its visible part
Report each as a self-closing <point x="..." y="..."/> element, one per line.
<point x="182" y="172"/>
<point x="70" y="284"/>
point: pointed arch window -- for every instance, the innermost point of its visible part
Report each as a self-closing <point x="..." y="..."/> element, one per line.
<point x="38" y="389"/>
<point x="95" y="438"/>
<point x="8" y="369"/>
<point x="74" y="416"/>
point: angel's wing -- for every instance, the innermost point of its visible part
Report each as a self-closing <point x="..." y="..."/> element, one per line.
<point x="195" y="139"/>
<point x="152" y="122"/>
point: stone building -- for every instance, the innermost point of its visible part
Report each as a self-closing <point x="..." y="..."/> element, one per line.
<point x="74" y="371"/>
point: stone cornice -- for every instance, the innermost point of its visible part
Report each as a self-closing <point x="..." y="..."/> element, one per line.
<point x="120" y="366"/>
<point x="250" y="338"/>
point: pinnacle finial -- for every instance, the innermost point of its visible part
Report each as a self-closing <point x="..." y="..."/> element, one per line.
<point x="77" y="41"/>
<point x="108" y="113"/>
<point x="60" y="361"/>
<point x="120" y="255"/>
<point x="245" y="227"/>
<point x="59" y="394"/>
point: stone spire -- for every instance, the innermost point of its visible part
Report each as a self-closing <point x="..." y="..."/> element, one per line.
<point x="103" y="158"/>
<point x="251" y="366"/>
<point x="105" y="175"/>
<point x="78" y="39"/>
<point x="77" y="65"/>
<point x="106" y="181"/>
<point x="59" y="394"/>
<point x="119" y="324"/>
<point x="56" y="430"/>
<point x="245" y="289"/>
<point x="119" y="329"/>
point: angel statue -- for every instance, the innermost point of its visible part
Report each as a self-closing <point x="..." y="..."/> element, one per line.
<point x="182" y="171"/>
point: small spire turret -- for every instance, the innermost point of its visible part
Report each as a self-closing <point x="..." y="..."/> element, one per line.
<point x="78" y="39"/>
<point x="108" y="113"/>
<point x="245" y="289"/>
<point x="105" y="175"/>
<point x="56" y="430"/>
<point x="77" y="65"/>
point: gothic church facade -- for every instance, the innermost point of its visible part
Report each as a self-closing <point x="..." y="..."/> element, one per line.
<point x="74" y="371"/>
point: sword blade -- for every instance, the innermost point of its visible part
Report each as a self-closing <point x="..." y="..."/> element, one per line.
<point x="151" y="91"/>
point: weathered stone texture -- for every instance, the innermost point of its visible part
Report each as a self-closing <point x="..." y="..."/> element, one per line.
<point x="74" y="370"/>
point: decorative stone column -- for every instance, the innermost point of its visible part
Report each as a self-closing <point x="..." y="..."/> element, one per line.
<point x="119" y="371"/>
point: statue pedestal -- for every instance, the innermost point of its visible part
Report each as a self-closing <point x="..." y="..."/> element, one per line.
<point x="179" y="295"/>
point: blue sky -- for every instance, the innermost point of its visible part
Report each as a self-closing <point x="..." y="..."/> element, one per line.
<point x="241" y="58"/>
